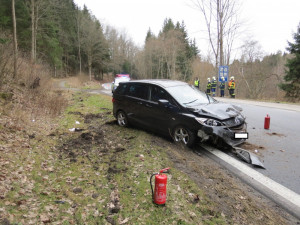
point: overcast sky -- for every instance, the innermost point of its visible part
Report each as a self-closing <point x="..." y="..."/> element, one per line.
<point x="270" y="22"/>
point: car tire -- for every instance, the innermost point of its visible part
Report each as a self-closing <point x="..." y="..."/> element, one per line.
<point x="122" y="119"/>
<point x="184" y="135"/>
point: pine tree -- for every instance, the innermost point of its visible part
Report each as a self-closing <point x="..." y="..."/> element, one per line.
<point x="292" y="77"/>
<point x="149" y="35"/>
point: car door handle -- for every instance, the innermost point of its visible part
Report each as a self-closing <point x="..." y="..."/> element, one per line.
<point x="140" y="103"/>
<point x="150" y="106"/>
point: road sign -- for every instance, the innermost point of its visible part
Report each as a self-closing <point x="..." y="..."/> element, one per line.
<point x="223" y="72"/>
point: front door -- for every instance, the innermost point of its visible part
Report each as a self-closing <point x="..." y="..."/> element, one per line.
<point x="160" y="117"/>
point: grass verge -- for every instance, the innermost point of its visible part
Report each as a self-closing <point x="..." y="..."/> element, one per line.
<point x="97" y="174"/>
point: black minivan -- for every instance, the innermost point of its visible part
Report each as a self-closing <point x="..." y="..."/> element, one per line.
<point x="178" y="109"/>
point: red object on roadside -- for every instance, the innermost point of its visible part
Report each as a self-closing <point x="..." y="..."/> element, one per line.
<point x="267" y="122"/>
<point x="159" y="194"/>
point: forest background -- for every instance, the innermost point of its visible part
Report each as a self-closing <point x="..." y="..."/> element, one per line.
<point x="58" y="39"/>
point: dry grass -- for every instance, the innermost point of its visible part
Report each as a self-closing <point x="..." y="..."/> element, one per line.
<point x="29" y="96"/>
<point x="77" y="81"/>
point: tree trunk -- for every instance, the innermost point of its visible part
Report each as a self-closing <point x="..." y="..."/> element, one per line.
<point x="35" y="30"/>
<point x="15" y="38"/>
<point x="90" y="65"/>
<point x="78" y="37"/>
<point x="221" y="41"/>
<point x="32" y="32"/>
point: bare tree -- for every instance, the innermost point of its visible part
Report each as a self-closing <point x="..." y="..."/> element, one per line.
<point x="121" y="50"/>
<point x="79" y="27"/>
<point x="15" y="38"/>
<point x="92" y="40"/>
<point x="251" y="51"/>
<point x="221" y="18"/>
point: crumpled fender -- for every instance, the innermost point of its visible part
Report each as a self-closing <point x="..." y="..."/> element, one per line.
<point x="221" y="132"/>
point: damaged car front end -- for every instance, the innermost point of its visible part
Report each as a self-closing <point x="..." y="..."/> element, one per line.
<point x="222" y="131"/>
<point x="221" y="124"/>
<point x="215" y="121"/>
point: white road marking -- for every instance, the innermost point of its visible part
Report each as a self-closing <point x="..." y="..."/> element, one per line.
<point x="279" y="189"/>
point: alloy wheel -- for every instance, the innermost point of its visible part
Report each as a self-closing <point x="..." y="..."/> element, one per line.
<point x="122" y="119"/>
<point x="181" y="134"/>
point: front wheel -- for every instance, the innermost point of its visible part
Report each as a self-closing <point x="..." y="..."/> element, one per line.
<point x="122" y="119"/>
<point x="184" y="135"/>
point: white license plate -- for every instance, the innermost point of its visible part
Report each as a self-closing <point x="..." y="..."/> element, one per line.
<point x="241" y="135"/>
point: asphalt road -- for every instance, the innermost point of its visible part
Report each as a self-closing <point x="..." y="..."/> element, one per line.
<point x="281" y="143"/>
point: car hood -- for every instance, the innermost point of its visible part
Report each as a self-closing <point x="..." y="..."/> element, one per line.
<point x="218" y="110"/>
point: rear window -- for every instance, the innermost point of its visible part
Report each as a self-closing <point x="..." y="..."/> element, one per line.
<point x="138" y="91"/>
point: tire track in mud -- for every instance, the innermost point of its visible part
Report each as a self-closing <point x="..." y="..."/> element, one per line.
<point x="106" y="152"/>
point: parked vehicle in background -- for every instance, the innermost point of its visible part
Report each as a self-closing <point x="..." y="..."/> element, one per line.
<point x="119" y="78"/>
<point x="176" y="108"/>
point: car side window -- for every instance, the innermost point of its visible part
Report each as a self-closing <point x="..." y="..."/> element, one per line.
<point x="138" y="91"/>
<point x="158" y="93"/>
<point x="122" y="88"/>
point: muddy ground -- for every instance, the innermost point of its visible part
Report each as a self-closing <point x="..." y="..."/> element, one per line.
<point x="233" y="199"/>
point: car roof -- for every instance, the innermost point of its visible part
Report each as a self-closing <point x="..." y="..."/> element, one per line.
<point x="165" y="83"/>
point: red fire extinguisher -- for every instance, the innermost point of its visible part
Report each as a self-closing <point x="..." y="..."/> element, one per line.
<point x="159" y="195"/>
<point x="267" y="122"/>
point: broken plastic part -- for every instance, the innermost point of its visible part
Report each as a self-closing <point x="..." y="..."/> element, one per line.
<point x="248" y="157"/>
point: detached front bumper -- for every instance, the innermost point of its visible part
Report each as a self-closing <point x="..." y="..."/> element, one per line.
<point x="223" y="134"/>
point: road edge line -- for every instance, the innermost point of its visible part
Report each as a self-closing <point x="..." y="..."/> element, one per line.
<point x="278" y="193"/>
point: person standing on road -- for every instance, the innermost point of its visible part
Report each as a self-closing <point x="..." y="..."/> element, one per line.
<point x="197" y="83"/>
<point x="208" y="87"/>
<point x="231" y="87"/>
<point x="222" y="87"/>
<point x="213" y="86"/>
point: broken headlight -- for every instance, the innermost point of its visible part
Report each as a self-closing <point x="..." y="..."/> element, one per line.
<point x="209" y="122"/>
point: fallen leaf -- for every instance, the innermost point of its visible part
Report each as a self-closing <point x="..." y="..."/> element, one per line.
<point x="45" y="218"/>
<point x="124" y="221"/>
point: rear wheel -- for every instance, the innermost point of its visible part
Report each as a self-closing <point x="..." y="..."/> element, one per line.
<point x="184" y="135"/>
<point x="122" y="119"/>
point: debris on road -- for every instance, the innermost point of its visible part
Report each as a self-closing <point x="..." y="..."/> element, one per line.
<point x="75" y="129"/>
<point x="248" y="157"/>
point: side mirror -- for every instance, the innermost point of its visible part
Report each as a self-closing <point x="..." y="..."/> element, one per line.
<point x="163" y="102"/>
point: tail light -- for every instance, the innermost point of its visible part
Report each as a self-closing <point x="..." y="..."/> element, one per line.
<point x="113" y="100"/>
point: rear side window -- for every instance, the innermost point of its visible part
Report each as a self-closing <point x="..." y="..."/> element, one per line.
<point x="138" y="91"/>
<point x="121" y="89"/>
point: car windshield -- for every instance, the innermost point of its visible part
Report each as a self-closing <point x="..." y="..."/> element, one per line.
<point x="188" y="96"/>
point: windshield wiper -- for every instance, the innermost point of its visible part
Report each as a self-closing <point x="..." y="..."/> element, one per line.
<point x="190" y="102"/>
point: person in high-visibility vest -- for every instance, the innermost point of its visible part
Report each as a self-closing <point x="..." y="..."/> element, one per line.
<point x="208" y="86"/>
<point x="197" y="83"/>
<point x="222" y="87"/>
<point x="213" y="86"/>
<point x="231" y="87"/>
